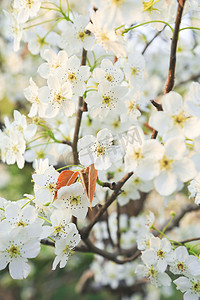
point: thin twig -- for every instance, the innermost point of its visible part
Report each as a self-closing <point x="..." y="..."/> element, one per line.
<point x="155" y="36"/>
<point x="175" y="222"/>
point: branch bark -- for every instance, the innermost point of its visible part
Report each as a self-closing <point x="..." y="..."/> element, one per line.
<point x="86" y="230"/>
<point x="172" y="65"/>
<point x="79" y="116"/>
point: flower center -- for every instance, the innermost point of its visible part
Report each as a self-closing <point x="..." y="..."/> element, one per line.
<point x="179" y="119"/>
<point x="103" y="37"/>
<point x="131" y="106"/>
<point x="196" y="286"/>
<point x="58" y="228"/>
<point x="29" y="3"/>
<point x="71" y="77"/>
<point x="152" y="272"/>
<point x="40" y="154"/>
<point x="137" y="180"/>
<point x="107" y="100"/>
<point x="100" y="150"/>
<point x="82" y="35"/>
<point x="21" y="224"/>
<point x="137" y="154"/>
<point x="15" y="149"/>
<point x="160" y="254"/>
<point x="58" y="98"/>
<point x="13" y="251"/>
<point x="134" y="71"/>
<point x="75" y="200"/>
<point x="181" y="266"/>
<point x="109" y="77"/>
<point x="165" y="163"/>
<point x="51" y="186"/>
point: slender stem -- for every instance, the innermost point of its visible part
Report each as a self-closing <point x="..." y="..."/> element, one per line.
<point x="55" y="19"/>
<point x="194" y="28"/>
<point x="145" y="23"/>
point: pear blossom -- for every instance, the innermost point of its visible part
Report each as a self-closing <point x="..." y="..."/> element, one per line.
<point x="54" y="60"/>
<point x="189" y="286"/>
<point x="132" y="188"/>
<point x="32" y="95"/>
<point x="38" y="40"/>
<point x="118" y="11"/>
<point x="158" y="254"/>
<point x="75" y="74"/>
<point x="26" y="8"/>
<point x="105" y="36"/>
<point x="73" y="200"/>
<point x="57" y="95"/>
<point x="134" y="69"/>
<point x="15" y="28"/>
<point x="133" y="102"/>
<point x="173" y="121"/>
<point x="38" y="151"/>
<point x="12" y="149"/>
<point x="106" y="100"/>
<point x="169" y="168"/>
<point x="192" y="102"/>
<point x="20" y="126"/>
<point x="152" y="272"/>
<point x="74" y="36"/>
<point x="99" y="150"/>
<point x="15" y="249"/>
<point x="45" y="187"/>
<point x="194" y="189"/>
<point x="22" y="217"/>
<point x="181" y="260"/>
<point x="141" y="150"/>
<point x="108" y="73"/>
<point x="60" y="225"/>
<point x="64" y="247"/>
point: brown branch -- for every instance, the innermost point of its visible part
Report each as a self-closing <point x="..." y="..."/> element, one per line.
<point x="107" y="223"/>
<point x="159" y="108"/>
<point x="86" y="230"/>
<point x="157" y="105"/>
<point x="175" y="222"/>
<point x="79" y="116"/>
<point x="110" y="256"/>
<point x="118" y="227"/>
<point x="172" y="65"/>
<point x="192" y="78"/>
<point x="189" y="240"/>
<point x="67" y="142"/>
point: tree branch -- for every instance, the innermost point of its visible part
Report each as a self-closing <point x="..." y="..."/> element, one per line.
<point x="175" y="222"/>
<point x="79" y="117"/>
<point x="86" y="230"/>
<point x="172" y="65"/>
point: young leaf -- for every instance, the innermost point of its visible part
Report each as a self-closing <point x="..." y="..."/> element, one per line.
<point x="66" y="177"/>
<point x="88" y="177"/>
